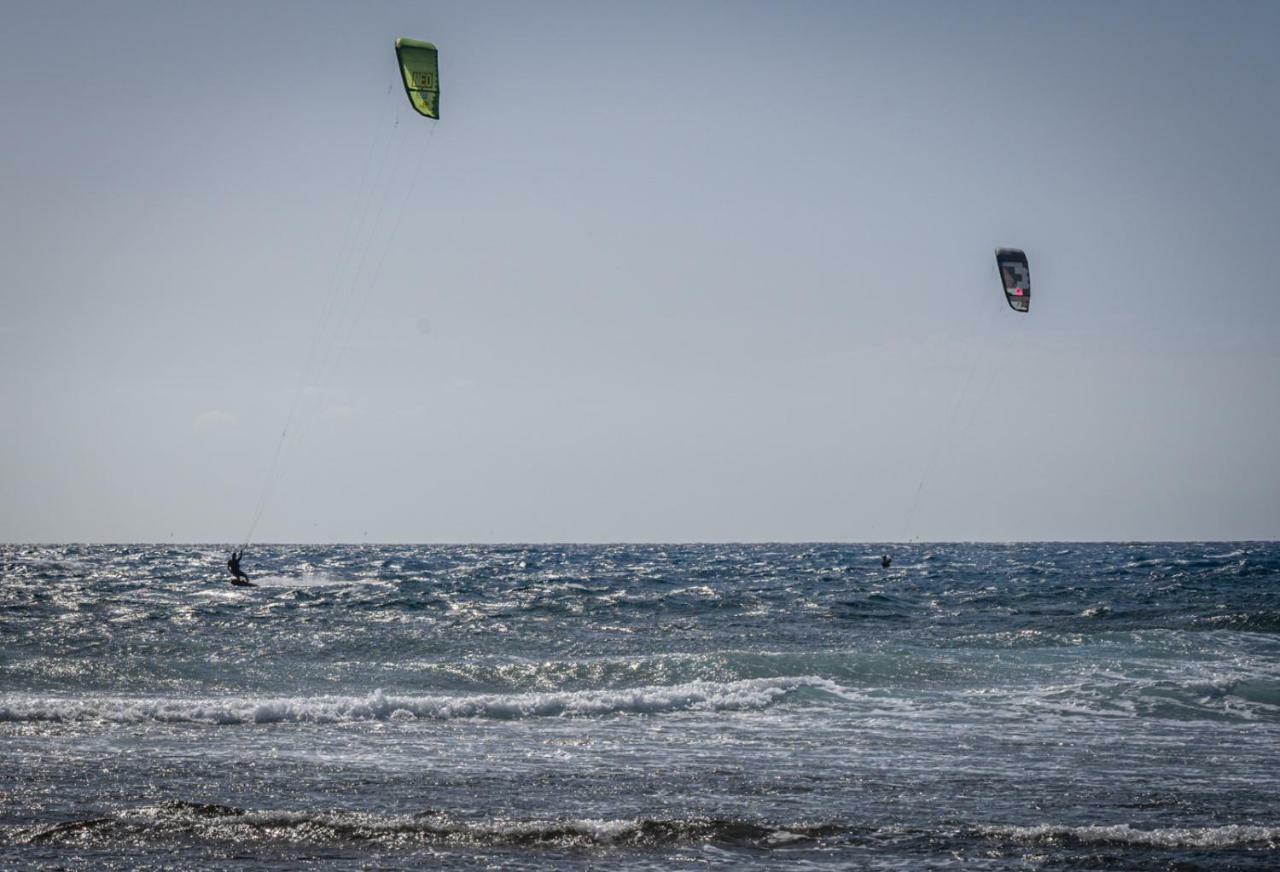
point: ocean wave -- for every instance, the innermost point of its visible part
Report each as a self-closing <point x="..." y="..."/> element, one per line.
<point x="227" y="823"/>
<point x="1232" y="836"/>
<point x="869" y="668"/>
<point x="696" y="696"/>
<point x="913" y="685"/>
<point x="224" y="823"/>
<point x="1264" y="621"/>
<point x="1185" y="698"/>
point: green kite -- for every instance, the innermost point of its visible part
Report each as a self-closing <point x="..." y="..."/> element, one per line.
<point x="420" y="69"/>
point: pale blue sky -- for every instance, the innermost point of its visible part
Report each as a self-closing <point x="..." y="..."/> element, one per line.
<point x="671" y="271"/>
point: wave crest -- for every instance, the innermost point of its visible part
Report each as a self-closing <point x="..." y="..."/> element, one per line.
<point x="698" y="696"/>
<point x="217" y="822"/>
<point x="1233" y="836"/>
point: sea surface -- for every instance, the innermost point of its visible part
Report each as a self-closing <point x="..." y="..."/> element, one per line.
<point x="1037" y="706"/>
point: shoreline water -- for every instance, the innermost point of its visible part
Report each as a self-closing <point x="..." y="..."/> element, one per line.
<point x="633" y="706"/>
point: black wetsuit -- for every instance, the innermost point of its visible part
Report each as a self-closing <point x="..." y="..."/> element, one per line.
<point x="237" y="574"/>
<point x="885" y="561"/>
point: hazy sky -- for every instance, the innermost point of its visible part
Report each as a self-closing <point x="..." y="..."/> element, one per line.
<point x="670" y="271"/>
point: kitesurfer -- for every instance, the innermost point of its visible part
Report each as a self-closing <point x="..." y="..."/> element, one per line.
<point x="885" y="560"/>
<point x="237" y="574"/>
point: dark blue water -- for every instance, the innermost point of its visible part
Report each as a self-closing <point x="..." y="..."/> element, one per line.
<point x="1036" y="706"/>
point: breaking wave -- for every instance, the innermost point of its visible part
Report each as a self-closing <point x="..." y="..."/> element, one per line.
<point x="1234" y="836"/>
<point x="221" y="823"/>
<point x="696" y="696"/>
<point x="228" y="823"/>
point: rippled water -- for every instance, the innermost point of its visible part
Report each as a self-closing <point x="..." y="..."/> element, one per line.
<point x="561" y="707"/>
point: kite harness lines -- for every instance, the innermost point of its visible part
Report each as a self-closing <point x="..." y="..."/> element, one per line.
<point x="1015" y="280"/>
<point x="373" y="220"/>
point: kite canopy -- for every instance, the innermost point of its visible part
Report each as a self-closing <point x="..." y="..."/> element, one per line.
<point x="1015" y="274"/>
<point x="421" y="73"/>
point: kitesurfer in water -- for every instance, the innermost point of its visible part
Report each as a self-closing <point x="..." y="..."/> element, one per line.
<point x="237" y="574"/>
<point x="885" y="560"/>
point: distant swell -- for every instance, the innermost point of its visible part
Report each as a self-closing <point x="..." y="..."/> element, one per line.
<point x="698" y="695"/>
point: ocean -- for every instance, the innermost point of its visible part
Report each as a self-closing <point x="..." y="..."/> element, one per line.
<point x="975" y="706"/>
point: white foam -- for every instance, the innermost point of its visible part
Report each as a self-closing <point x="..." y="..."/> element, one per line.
<point x="222" y="593"/>
<point x="1233" y="836"/>
<point x="307" y="579"/>
<point x="694" y="696"/>
<point x="221" y="822"/>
